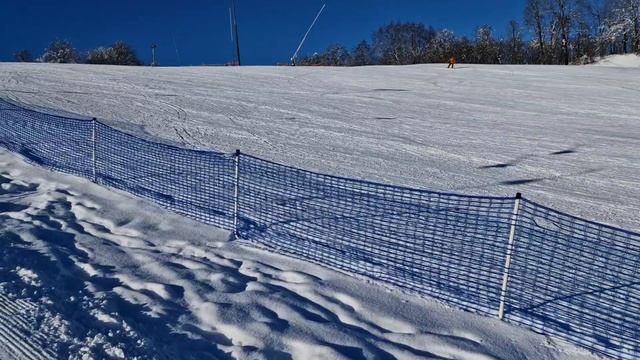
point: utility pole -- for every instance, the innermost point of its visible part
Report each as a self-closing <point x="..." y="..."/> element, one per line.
<point x="235" y="31"/>
<point x="153" y="54"/>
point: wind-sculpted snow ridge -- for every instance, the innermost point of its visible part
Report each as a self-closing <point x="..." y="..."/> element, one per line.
<point x="91" y="273"/>
<point x="447" y="246"/>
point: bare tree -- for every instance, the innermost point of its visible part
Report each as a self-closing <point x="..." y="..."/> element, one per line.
<point x="514" y="48"/>
<point x="443" y="46"/>
<point x="464" y="49"/>
<point x="596" y="10"/>
<point x="23" y="56"/>
<point x="336" y="55"/>
<point x="487" y="50"/>
<point x="536" y="17"/>
<point x="564" y="31"/>
<point x="564" y="13"/>
<point x="361" y="55"/>
<point x="402" y="43"/>
<point x="312" y="60"/>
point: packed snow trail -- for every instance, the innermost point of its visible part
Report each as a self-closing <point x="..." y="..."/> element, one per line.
<point x="97" y="274"/>
<point x="567" y="137"/>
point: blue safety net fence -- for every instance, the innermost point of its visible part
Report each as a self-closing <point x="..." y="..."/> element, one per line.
<point x="576" y="279"/>
<point x="568" y="277"/>
<point x="198" y="184"/>
<point x="450" y="247"/>
<point x="56" y="142"/>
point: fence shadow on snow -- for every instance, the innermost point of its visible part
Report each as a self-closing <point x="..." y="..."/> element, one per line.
<point x="508" y="257"/>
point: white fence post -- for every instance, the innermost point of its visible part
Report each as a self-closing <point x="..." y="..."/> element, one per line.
<point x="236" y="195"/>
<point x="93" y="149"/>
<point x="507" y="262"/>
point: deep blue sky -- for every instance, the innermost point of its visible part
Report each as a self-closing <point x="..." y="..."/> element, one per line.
<point x="269" y="29"/>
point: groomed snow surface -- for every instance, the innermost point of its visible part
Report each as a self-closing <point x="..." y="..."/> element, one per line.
<point x="566" y="137"/>
<point x="91" y="273"/>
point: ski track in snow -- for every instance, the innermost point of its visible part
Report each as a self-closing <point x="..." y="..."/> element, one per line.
<point x="567" y="137"/>
<point x="92" y="273"/>
<point x="16" y="342"/>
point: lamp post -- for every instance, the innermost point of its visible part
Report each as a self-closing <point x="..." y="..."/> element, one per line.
<point x="153" y="54"/>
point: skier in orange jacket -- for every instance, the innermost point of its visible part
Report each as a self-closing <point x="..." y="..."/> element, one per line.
<point x="452" y="62"/>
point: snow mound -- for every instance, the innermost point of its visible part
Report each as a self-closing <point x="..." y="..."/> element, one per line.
<point x="624" y="61"/>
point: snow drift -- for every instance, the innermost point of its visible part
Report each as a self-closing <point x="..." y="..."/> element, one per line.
<point x="623" y="61"/>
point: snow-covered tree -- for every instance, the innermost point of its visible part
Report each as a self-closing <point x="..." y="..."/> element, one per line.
<point x="98" y="56"/>
<point x="61" y="52"/>
<point x="123" y="54"/>
<point x="118" y="54"/>
<point x="621" y="28"/>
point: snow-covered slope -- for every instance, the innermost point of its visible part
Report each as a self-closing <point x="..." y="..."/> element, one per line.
<point x="90" y="273"/>
<point x="628" y="61"/>
<point x="567" y="137"/>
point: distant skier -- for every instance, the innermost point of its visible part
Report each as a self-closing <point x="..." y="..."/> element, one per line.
<point x="452" y="62"/>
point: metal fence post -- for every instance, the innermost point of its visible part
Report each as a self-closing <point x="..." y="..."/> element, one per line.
<point x="93" y="148"/>
<point x="507" y="262"/>
<point x="236" y="195"/>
